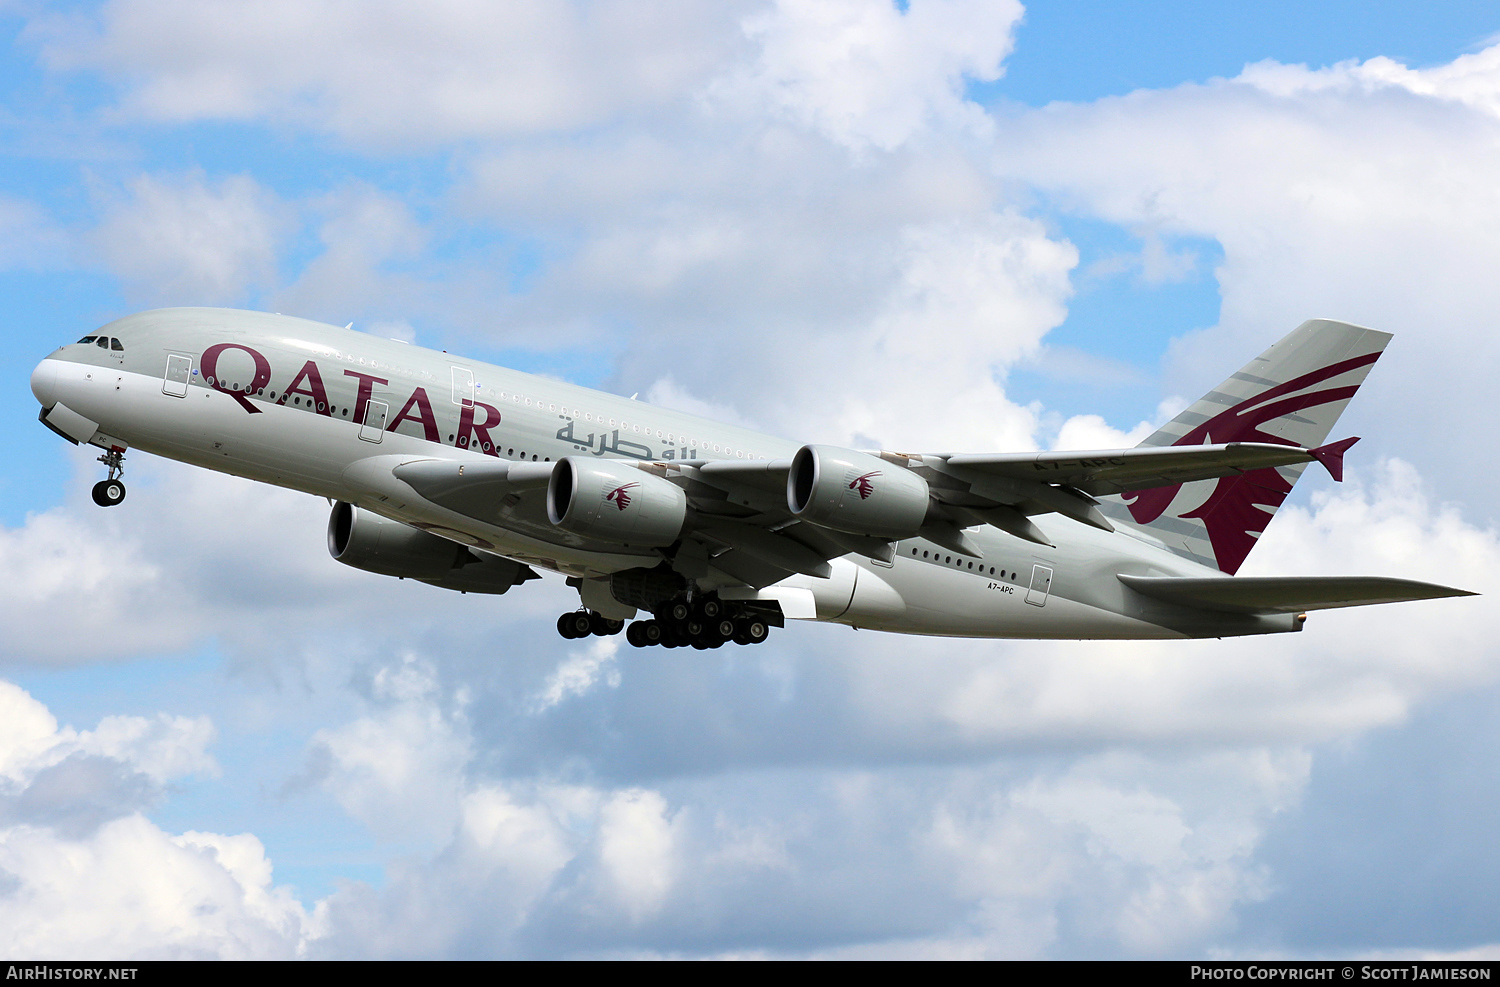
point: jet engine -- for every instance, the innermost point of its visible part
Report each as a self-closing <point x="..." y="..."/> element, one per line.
<point x="856" y="493"/>
<point x="375" y="544"/>
<point x="613" y="501"/>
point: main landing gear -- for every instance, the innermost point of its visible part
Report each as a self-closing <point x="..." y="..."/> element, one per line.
<point x="582" y="623"/>
<point x="702" y="624"/>
<point x="705" y="623"/>
<point x="109" y="492"/>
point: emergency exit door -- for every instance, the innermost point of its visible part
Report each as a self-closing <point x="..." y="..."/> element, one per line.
<point x="1041" y="585"/>
<point x="372" y="429"/>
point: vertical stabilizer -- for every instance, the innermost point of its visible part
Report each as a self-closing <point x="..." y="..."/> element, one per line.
<point x="1293" y="393"/>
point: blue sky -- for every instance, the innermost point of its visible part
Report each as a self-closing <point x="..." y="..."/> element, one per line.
<point x="1015" y="220"/>
<point x="1081" y="51"/>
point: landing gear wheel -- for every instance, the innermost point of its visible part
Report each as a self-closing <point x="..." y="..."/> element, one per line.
<point x="108" y="493"/>
<point x="752" y="630"/>
<point x="651" y="632"/>
<point x="579" y="623"/>
<point x="633" y="635"/>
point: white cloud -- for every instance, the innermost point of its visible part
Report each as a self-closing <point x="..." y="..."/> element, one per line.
<point x="580" y="671"/>
<point x="160" y="571"/>
<point x="400" y="768"/>
<point x="1093" y="432"/>
<point x="84" y="874"/>
<point x="367" y="237"/>
<point x="1363" y="192"/>
<point x="27" y="732"/>
<point x="187" y="240"/>
<point x="386" y="74"/>
<point x="193" y="555"/>
<point x="130" y="890"/>
<point x="1472" y="80"/>
<point x="867" y="73"/>
<point x="30" y="239"/>
<point x="159" y="748"/>
<point x="636" y="847"/>
<point x="971" y="299"/>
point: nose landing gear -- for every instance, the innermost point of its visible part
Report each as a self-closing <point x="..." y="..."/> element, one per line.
<point x="109" y="492"/>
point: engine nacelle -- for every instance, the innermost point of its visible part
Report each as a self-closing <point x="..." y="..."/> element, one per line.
<point x="854" y="492"/>
<point x="612" y="501"/>
<point x="375" y="544"/>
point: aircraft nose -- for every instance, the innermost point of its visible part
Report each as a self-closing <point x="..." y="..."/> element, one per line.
<point x="44" y="382"/>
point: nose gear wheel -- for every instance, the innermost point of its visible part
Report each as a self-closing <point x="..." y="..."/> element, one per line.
<point x="109" y="492"/>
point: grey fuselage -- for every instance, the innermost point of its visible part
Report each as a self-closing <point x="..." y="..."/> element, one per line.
<point x="288" y="401"/>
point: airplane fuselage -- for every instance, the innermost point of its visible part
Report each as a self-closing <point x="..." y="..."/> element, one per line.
<point x="331" y="412"/>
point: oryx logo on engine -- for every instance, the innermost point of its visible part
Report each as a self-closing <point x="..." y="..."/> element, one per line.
<point x="619" y="496"/>
<point x="863" y="485"/>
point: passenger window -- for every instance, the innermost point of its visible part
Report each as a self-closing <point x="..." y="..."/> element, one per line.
<point x="116" y="345"/>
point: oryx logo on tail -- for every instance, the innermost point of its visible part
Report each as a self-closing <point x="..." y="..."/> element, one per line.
<point x="1292" y="394"/>
<point x="863" y="485"/>
<point x="619" y="496"/>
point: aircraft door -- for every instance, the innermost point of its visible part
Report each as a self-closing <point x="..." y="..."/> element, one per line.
<point x="175" y="379"/>
<point x="463" y="387"/>
<point x="372" y="429"/>
<point x="1041" y="585"/>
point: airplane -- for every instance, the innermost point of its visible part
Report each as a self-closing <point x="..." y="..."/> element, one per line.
<point x="473" y="477"/>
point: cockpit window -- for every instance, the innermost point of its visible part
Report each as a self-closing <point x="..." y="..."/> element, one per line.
<point x="86" y="339"/>
<point x="116" y="345"/>
<point x="103" y="342"/>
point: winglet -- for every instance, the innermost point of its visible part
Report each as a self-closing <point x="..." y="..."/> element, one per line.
<point x="1332" y="456"/>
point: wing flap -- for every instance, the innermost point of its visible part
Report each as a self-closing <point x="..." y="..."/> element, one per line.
<point x="1284" y="594"/>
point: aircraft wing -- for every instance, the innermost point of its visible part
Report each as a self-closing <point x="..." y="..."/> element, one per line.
<point x="740" y="521"/>
<point x="747" y="525"/>
<point x="745" y="528"/>
<point x="1115" y="471"/>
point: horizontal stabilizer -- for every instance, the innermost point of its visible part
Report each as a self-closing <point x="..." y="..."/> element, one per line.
<point x="1332" y="457"/>
<point x="1284" y="594"/>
